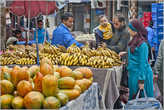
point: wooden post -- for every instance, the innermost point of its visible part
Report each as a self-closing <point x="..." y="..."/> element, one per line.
<point x="133" y="8"/>
<point x="2" y="27"/>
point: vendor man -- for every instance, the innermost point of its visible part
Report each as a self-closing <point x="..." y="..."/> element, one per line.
<point x="62" y="35"/>
<point x="15" y="38"/>
<point x="41" y="32"/>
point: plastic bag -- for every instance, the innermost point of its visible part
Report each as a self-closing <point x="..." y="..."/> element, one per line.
<point x="156" y="90"/>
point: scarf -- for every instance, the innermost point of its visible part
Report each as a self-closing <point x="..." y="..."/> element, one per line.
<point x="107" y="31"/>
<point x="140" y="37"/>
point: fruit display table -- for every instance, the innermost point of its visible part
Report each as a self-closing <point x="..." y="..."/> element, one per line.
<point x="109" y="81"/>
<point x="86" y="101"/>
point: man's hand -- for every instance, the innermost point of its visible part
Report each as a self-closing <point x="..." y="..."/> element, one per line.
<point x="122" y="54"/>
<point x="141" y="86"/>
<point x="102" y="44"/>
<point x="153" y="49"/>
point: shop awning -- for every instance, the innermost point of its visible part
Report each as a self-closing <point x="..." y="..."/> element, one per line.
<point x="32" y="8"/>
<point x="78" y="1"/>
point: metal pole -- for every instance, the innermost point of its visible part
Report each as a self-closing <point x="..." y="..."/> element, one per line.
<point x="45" y="22"/>
<point x="29" y="12"/>
<point x="37" y="48"/>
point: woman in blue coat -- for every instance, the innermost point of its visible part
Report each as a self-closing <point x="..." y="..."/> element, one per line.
<point x="140" y="72"/>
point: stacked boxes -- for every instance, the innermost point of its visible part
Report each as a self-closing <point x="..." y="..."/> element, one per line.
<point x="147" y="18"/>
<point x="158" y="20"/>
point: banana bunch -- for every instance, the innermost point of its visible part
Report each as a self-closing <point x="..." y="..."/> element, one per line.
<point x="68" y="59"/>
<point x="6" y="60"/>
<point x="103" y="52"/>
<point x="62" y="48"/>
<point x="25" y="61"/>
<point x="101" y="62"/>
<point x="72" y="59"/>
<point x="21" y="54"/>
<point x="8" y="54"/>
<point x="88" y="52"/>
<point x="73" y="49"/>
<point x="54" y="58"/>
<point x="83" y="59"/>
<point x="51" y="50"/>
<point x="32" y="55"/>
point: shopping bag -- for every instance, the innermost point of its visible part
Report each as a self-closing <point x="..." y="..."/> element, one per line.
<point x="146" y="103"/>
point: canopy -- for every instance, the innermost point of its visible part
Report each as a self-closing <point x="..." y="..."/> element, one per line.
<point x="32" y="8"/>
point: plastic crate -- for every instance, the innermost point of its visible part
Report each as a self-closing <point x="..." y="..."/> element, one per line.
<point x="159" y="22"/>
<point x="160" y="5"/>
<point x="160" y="14"/>
<point x="154" y="9"/>
<point x="154" y="5"/>
<point x="154" y="24"/>
<point x="160" y="36"/>
<point x="160" y="10"/>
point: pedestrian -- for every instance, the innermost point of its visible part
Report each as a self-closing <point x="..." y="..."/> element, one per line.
<point x="159" y="66"/>
<point x="152" y="40"/>
<point x="40" y="34"/>
<point x="62" y="34"/>
<point x="139" y="70"/>
<point x="119" y="43"/>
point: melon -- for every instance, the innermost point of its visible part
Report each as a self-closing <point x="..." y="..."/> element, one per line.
<point x="6" y="101"/>
<point x="57" y="74"/>
<point x="17" y="102"/>
<point x="33" y="100"/>
<point x="63" y="98"/>
<point x="24" y="87"/>
<point x="6" y="87"/>
<point x="77" y="75"/>
<point x="49" y="85"/>
<point x="45" y="69"/>
<point x="71" y="93"/>
<point x="64" y="71"/>
<point x="33" y="70"/>
<point x="77" y="87"/>
<point x="38" y="82"/>
<point x="87" y="73"/>
<point x="66" y="83"/>
<point x="81" y="84"/>
<point x="51" y="103"/>
<point x="18" y="74"/>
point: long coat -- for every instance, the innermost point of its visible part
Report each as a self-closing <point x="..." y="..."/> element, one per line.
<point x="139" y="69"/>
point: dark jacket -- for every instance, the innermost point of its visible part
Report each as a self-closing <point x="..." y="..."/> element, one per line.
<point x="119" y="41"/>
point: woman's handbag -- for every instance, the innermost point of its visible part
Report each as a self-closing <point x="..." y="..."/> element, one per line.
<point x="146" y="103"/>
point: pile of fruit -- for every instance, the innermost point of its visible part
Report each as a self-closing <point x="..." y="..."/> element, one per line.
<point x="45" y="86"/>
<point x="101" y="57"/>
